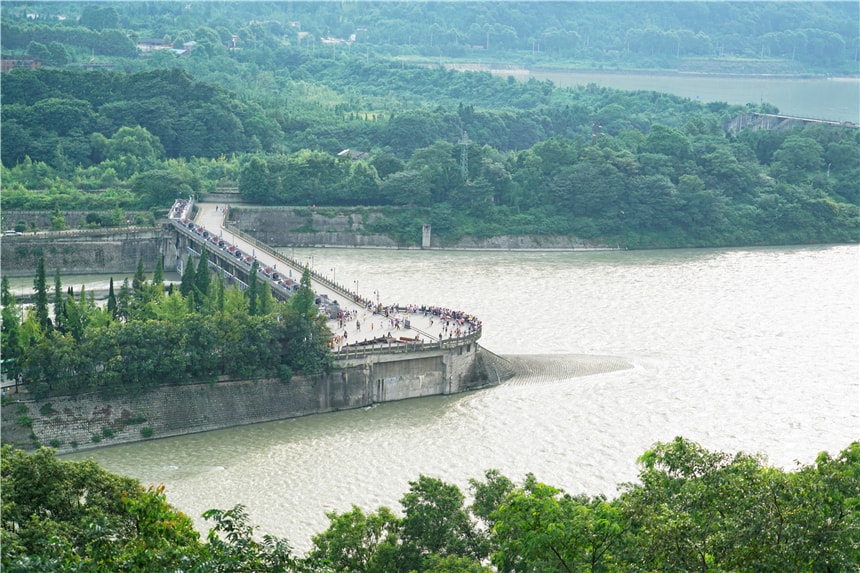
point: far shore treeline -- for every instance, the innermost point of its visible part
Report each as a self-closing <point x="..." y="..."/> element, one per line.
<point x="636" y="169"/>
<point x="341" y="104"/>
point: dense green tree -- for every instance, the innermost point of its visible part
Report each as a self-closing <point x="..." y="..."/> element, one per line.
<point x="58" y="53"/>
<point x="75" y="516"/>
<point x="58" y="221"/>
<point x="253" y="290"/>
<point x="233" y="547"/>
<point x="158" y="274"/>
<point x="386" y="164"/>
<point x="358" y="542"/>
<point x="111" y="300"/>
<point x="10" y="328"/>
<point x="77" y="315"/>
<point x="362" y="186"/>
<point x="436" y="523"/>
<point x="138" y="282"/>
<point x="408" y="187"/>
<point x="541" y="526"/>
<point x="65" y="516"/>
<point x="438" y="166"/>
<point x="162" y="186"/>
<point x="254" y="182"/>
<point x="187" y="282"/>
<point x="59" y="310"/>
<point x="203" y="277"/>
<point x="302" y="301"/>
<point x="40" y="302"/>
<point x="124" y="300"/>
<point x="39" y="50"/>
<point x="797" y="159"/>
<point x="99" y="17"/>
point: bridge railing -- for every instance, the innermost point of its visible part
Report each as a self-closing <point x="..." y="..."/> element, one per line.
<point x="396" y="346"/>
<point x="298" y="266"/>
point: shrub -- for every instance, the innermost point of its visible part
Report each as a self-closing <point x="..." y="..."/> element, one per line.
<point x="74" y="444"/>
<point x="22" y="409"/>
<point x="94" y="220"/>
<point x="107" y="433"/>
<point x="95" y="438"/>
<point x="145" y="220"/>
<point x="40" y="390"/>
<point x="135" y="420"/>
<point x="146" y="432"/>
<point x="47" y="409"/>
<point x="25" y="421"/>
<point x="55" y="443"/>
<point x="20" y="226"/>
<point x="285" y="373"/>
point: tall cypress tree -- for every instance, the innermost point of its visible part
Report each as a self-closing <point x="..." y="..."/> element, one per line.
<point x="252" y="290"/>
<point x="158" y="275"/>
<point x="139" y="277"/>
<point x="10" y="347"/>
<point x="111" y="301"/>
<point x="302" y="301"/>
<point x="266" y="302"/>
<point x="186" y="285"/>
<point x="202" y="279"/>
<point x="40" y="287"/>
<point x="59" y="306"/>
<point x="219" y="290"/>
<point x="123" y="301"/>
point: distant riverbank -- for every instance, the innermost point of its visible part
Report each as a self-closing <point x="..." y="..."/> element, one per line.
<point x="802" y="94"/>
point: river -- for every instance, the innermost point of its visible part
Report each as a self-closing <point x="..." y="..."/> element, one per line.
<point x="751" y="349"/>
<point x="834" y="99"/>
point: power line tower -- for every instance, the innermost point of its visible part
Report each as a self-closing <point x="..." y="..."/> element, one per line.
<point x="464" y="157"/>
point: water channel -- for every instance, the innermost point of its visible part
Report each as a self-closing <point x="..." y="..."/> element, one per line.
<point x="739" y="349"/>
<point x="835" y="99"/>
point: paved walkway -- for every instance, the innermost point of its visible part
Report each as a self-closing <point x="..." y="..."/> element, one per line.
<point x="360" y="323"/>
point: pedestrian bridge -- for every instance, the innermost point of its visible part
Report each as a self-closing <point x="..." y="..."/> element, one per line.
<point x="232" y="254"/>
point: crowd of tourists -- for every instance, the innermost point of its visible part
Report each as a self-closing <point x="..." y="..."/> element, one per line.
<point x="385" y="320"/>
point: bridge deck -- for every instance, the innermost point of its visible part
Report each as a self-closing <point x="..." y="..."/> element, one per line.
<point x="354" y="336"/>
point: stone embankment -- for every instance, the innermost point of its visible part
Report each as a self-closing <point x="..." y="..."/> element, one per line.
<point x="87" y="251"/>
<point x="77" y="423"/>
<point x="90" y="421"/>
<point x="328" y="227"/>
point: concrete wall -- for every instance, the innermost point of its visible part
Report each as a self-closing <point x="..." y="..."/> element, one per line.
<point x="81" y="252"/>
<point x="280" y="226"/>
<point x="177" y="410"/>
<point x="293" y="226"/>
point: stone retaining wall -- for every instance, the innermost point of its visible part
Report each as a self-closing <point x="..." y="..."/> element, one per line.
<point x="81" y="252"/>
<point x="345" y="227"/>
<point x="73" y="424"/>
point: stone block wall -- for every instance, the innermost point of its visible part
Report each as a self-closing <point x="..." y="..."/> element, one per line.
<point x="80" y="252"/>
<point x="78" y="423"/>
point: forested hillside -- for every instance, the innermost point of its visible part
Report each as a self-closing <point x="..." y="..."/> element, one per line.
<point x="800" y="35"/>
<point x="250" y="104"/>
